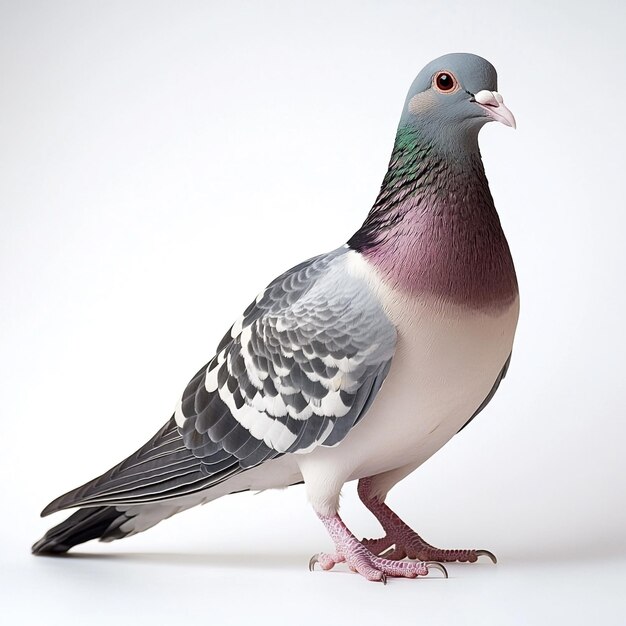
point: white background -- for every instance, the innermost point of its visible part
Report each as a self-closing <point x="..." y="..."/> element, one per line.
<point x="160" y="162"/>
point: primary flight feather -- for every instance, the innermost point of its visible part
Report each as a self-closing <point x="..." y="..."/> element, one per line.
<point x="358" y="364"/>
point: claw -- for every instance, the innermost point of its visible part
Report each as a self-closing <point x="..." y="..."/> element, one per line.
<point x="312" y="562"/>
<point x="486" y="553"/>
<point x="387" y="552"/>
<point x="436" y="565"/>
<point x="383" y="579"/>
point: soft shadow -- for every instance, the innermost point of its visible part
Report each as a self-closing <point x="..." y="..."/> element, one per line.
<point x="250" y="560"/>
<point x="563" y="553"/>
<point x="531" y="555"/>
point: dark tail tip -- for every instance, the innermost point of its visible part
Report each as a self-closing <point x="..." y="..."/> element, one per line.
<point x="84" y="525"/>
<point x="45" y="547"/>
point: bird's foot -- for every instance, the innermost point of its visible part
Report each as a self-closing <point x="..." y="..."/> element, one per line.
<point x="361" y="560"/>
<point x="401" y="541"/>
<point x="406" y="543"/>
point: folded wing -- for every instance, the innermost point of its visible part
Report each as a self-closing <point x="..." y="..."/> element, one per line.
<point x="299" y="369"/>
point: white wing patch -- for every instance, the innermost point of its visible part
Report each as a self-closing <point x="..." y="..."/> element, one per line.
<point x="178" y="415"/>
<point x="296" y="370"/>
<point x="260" y="425"/>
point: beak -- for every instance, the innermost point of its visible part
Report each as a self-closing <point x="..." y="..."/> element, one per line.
<point x="493" y="104"/>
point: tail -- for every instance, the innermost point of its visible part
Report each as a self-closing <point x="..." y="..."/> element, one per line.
<point x="101" y="522"/>
<point x="161" y="479"/>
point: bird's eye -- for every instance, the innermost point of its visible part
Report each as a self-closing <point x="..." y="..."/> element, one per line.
<point x="445" y="82"/>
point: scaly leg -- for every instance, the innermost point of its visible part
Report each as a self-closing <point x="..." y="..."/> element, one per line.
<point x="360" y="559"/>
<point x="406" y="542"/>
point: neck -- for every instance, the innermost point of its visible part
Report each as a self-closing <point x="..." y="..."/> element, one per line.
<point x="434" y="228"/>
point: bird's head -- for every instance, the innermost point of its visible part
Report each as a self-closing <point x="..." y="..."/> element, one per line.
<point x="453" y="97"/>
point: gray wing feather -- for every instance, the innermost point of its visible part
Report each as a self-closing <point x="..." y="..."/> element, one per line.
<point x="299" y="369"/>
<point x="162" y="469"/>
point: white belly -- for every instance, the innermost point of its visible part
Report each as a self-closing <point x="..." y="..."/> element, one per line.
<point x="446" y="363"/>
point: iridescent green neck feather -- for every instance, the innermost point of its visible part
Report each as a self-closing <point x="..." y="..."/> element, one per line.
<point x="434" y="229"/>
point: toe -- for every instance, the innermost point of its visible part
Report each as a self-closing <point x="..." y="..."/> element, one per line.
<point x="377" y="546"/>
<point x="371" y="573"/>
<point x="406" y="569"/>
<point x="325" y="561"/>
<point x="366" y="568"/>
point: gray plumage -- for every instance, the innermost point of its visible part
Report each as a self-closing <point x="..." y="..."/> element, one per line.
<point x="316" y="349"/>
<point x="424" y="296"/>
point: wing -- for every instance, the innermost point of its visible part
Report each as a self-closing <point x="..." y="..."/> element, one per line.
<point x="491" y="393"/>
<point x="298" y="370"/>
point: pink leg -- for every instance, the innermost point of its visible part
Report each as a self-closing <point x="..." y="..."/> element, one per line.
<point x="406" y="542"/>
<point x="360" y="559"/>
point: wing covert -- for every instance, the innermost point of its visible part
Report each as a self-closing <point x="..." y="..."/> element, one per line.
<point x="299" y="369"/>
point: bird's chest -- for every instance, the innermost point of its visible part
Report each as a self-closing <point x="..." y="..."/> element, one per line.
<point x="447" y="361"/>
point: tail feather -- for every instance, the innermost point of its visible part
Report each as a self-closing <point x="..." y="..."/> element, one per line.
<point x="159" y="480"/>
<point x="101" y="522"/>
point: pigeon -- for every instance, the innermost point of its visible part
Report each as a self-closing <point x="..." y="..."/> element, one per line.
<point x="355" y="365"/>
